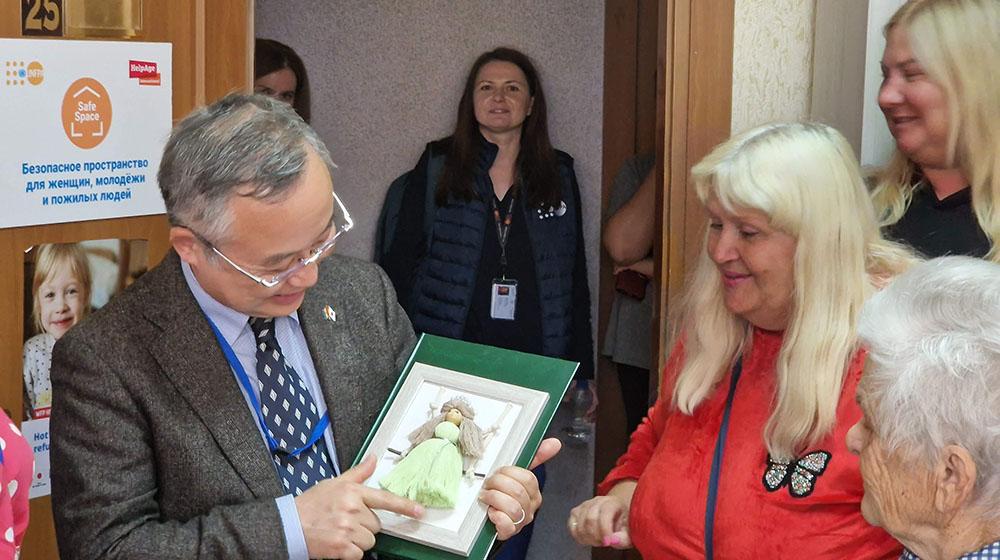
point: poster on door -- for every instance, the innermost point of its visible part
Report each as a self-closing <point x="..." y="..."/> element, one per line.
<point x="37" y="434"/>
<point x="85" y="123"/>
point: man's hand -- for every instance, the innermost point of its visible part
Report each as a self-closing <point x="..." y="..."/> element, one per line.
<point x="336" y="514"/>
<point x="512" y="493"/>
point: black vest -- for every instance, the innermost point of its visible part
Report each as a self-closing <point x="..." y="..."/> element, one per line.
<point x="442" y="290"/>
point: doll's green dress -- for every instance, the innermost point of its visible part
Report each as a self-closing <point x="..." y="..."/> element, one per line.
<point x="430" y="473"/>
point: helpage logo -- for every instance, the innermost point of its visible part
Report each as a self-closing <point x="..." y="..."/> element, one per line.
<point x="16" y="73"/>
<point x="146" y="72"/>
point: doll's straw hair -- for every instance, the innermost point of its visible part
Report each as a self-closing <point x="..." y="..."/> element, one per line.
<point x="470" y="437"/>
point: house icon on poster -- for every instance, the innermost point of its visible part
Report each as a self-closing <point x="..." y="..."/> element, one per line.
<point x="86" y="113"/>
<point x="89" y="103"/>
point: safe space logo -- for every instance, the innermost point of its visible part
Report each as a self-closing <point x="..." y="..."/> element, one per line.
<point x="86" y="113"/>
<point x="146" y="72"/>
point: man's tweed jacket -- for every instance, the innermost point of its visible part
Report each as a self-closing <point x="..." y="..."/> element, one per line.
<point x="155" y="453"/>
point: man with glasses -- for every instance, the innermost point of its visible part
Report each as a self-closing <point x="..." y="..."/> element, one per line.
<point x="212" y="409"/>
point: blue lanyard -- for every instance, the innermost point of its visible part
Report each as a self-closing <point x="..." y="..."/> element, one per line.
<point x="713" y="477"/>
<point x="244" y="380"/>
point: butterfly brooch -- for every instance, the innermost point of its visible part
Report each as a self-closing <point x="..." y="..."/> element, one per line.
<point x="799" y="475"/>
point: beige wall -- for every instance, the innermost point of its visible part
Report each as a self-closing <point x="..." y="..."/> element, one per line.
<point x="386" y="77"/>
<point x="772" y="61"/>
<point x="782" y="70"/>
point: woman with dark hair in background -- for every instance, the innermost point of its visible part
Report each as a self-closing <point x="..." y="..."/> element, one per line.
<point x="278" y="72"/>
<point x="488" y="243"/>
<point x="628" y="238"/>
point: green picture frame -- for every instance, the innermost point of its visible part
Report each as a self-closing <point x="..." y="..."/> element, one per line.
<point x="515" y="370"/>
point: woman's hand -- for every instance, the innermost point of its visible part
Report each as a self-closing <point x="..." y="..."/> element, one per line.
<point x="603" y="520"/>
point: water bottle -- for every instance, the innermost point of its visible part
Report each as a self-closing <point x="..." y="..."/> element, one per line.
<point x="581" y="430"/>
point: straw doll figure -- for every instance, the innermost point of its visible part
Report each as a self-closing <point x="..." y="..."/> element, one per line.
<point x="430" y="472"/>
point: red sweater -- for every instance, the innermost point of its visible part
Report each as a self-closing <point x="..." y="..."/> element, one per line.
<point x="671" y="457"/>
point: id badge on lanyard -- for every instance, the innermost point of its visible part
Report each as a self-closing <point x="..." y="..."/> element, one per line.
<point x="503" y="294"/>
<point x="503" y="300"/>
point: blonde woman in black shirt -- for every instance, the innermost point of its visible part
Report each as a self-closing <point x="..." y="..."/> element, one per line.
<point x="940" y="94"/>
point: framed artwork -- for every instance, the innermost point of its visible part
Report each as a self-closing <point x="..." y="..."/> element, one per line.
<point x="459" y="412"/>
<point x="63" y="283"/>
<point x="505" y="418"/>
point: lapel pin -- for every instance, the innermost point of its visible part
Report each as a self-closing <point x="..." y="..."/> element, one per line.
<point x="329" y="314"/>
<point x="552" y="211"/>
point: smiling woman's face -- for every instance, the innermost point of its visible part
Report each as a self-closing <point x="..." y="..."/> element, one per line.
<point x="501" y="97"/>
<point x="915" y="106"/>
<point x="756" y="263"/>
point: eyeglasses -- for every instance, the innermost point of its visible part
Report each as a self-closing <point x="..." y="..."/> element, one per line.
<point x="341" y="222"/>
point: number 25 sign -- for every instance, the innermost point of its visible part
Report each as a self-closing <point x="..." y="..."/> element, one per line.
<point x="42" y="17"/>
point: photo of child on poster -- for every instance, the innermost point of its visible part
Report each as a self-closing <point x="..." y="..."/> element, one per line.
<point x="64" y="282"/>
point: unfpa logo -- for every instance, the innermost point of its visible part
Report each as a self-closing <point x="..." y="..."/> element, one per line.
<point x="17" y="74"/>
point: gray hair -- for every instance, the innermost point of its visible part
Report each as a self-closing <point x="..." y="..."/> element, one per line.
<point x="933" y="372"/>
<point x="250" y="145"/>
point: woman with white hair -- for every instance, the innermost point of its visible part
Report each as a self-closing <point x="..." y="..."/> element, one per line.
<point x="929" y="441"/>
<point x="940" y="91"/>
<point x="743" y="454"/>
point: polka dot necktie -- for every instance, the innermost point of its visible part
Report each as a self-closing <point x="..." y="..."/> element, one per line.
<point x="290" y="414"/>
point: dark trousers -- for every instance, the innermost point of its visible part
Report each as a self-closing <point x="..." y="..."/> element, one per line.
<point x="634" y="382"/>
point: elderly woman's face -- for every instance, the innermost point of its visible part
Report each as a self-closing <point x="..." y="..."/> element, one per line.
<point x="914" y="106"/>
<point x="756" y="262"/>
<point x="501" y="97"/>
<point x="898" y="492"/>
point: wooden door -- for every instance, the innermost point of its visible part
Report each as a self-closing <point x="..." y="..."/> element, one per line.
<point x="212" y="55"/>
<point x="630" y="124"/>
<point x="688" y="114"/>
<point x="693" y="117"/>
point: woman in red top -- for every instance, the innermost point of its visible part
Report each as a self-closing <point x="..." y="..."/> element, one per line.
<point x="743" y="454"/>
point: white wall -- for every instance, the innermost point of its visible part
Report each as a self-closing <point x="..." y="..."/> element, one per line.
<point x="876" y="142"/>
<point x="386" y="78"/>
<point x="838" y="77"/>
<point x="847" y="75"/>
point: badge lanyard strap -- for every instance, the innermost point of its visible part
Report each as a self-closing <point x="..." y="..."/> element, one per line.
<point x="716" y="472"/>
<point x="244" y="380"/>
<point x="503" y="231"/>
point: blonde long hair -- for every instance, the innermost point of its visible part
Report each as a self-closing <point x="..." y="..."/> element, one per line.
<point x="957" y="42"/>
<point x="805" y="177"/>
